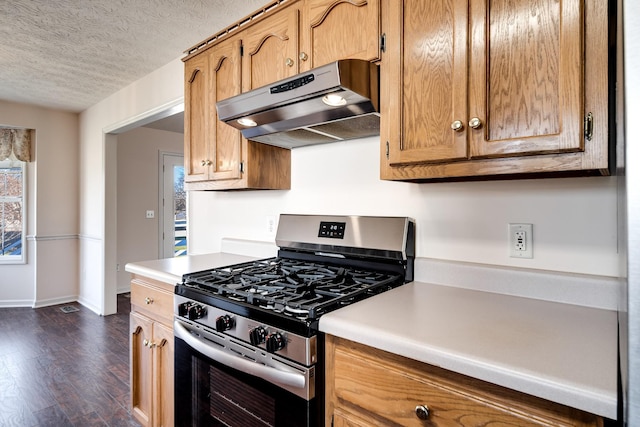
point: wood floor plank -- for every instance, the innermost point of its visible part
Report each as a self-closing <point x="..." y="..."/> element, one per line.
<point x="64" y="369"/>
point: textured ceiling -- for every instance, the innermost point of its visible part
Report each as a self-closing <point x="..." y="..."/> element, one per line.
<point x="70" y="54"/>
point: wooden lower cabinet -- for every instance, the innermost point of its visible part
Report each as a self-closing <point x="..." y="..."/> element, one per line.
<point x="151" y="352"/>
<point x="370" y="387"/>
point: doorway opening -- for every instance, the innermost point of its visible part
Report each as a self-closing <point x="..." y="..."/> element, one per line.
<point x="173" y="209"/>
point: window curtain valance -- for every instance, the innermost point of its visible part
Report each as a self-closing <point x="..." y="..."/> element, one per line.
<point x="16" y="141"/>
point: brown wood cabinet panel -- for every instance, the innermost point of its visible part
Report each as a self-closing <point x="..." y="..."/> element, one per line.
<point x="196" y="118"/>
<point x="526" y="79"/>
<point x="385" y="389"/>
<point x="271" y="49"/>
<point x="163" y="375"/>
<point x="471" y="91"/>
<point x="151" y="300"/>
<point x="151" y="352"/>
<point x="227" y="161"/>
<point x="423" y="83"/>
<point x="226" y="69"/>
<point x="141" y="368"/>
<point x="339" y="29"/>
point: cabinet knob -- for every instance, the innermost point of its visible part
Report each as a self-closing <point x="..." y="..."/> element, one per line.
<point x="289" y="62"/>
<point x="148" y="300"/>
<point x="203" y="163"/>
<point x="422" y="412"/>
<point x="475" y="123"/>
<point x="209" y="162"/>
<point x="457" y="125"/>
<point x="303" y="56"/>
<point x="145" y="342"/>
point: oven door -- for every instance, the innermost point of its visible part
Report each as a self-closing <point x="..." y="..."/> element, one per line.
<point x="223" y="382"/>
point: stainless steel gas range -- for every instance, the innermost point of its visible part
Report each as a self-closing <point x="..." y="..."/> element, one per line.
<point x="248" y="351"/>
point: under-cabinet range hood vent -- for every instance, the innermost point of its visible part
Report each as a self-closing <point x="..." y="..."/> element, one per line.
<point x="334" y="102"/>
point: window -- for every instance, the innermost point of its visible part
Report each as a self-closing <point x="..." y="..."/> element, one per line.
<point x="12" y="212"/>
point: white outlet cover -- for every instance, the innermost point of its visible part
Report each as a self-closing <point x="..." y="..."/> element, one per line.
<point x="151" y="214"/>
<point x="520" y="240"/>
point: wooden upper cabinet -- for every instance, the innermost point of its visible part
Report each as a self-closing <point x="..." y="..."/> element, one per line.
<point x="270" y="49"/>
<point x="423" y="81"/>
<point x="196" y="107"/>
<point x="469" y="90"/>
<point x="216" y="155"/>
<point x="212" y="149"/>
<point x="226" y="79"/>
<point x="339" y="29"/>
<point x="526" y="77"/>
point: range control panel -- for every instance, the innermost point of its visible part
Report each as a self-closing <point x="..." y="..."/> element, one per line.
<point x="332" y="230"/>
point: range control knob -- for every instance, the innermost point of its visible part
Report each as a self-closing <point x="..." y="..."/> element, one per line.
<point x="257" y="335"/>
<point x="197" y="311"/>
<point x="224" y="323"/>
<point x="183" y="309"/>
<point x="275" y="342"/>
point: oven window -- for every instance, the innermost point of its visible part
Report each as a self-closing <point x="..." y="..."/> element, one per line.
<point x="210" y="394"/>
<point x="235" y="404"/>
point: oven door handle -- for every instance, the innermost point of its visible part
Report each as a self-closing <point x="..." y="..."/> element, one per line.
<point x="270" y="374"/>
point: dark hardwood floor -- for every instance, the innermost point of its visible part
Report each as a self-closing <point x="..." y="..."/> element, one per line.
<point x="64" y="369"/>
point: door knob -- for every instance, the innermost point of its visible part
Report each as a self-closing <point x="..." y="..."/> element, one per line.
<point x="457" y="125"/>
<point x="475" y="123"/>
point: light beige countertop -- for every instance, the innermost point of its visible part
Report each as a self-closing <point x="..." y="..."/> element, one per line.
<point x="561" y="352"/>
<point x="170" y="270"/>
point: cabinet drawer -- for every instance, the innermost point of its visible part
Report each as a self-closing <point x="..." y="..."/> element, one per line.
<point x="155" y="302"/>
<point x="387" y="389"/>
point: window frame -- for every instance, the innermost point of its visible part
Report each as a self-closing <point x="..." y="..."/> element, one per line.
<point x="22" y="258"/>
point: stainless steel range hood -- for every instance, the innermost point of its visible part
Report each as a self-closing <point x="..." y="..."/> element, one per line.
<point x="295" y="111"/>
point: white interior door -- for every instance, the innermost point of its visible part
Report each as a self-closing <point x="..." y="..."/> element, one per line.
<point x="173" y="209"/>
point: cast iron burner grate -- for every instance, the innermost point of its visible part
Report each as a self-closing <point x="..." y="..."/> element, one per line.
<point x="294" y="288"/>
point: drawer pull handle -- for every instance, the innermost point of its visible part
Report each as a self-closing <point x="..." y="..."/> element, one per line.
<point x="148" y="300"/>
<point x="422" y="412"/>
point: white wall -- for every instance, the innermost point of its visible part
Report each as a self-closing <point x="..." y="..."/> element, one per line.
<point x="138" y="189"/>
<point x="574" y="219"/>
<point x="158" y="90"/>
<point x="51" y="273"/>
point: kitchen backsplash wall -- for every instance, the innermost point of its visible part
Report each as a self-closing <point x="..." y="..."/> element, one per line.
<point x="574" y="219"/>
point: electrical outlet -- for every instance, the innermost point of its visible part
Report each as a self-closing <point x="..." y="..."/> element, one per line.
<point x="151" y="214"/>
<point x="521" y="240"/>
<point x="271" y="224"/>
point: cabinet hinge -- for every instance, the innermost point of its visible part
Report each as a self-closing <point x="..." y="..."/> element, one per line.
<point x="383" y="42"/>
<point x="241" y="50"/>
<point x="241" y="167"/>
<point x="387" y="150"/>
<point x="588" y="126"/>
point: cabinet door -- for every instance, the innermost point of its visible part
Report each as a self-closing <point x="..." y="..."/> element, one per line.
<point x="329" y="32"/>
<point x="141" y="335"/>
<point x="226" y="81"/>
<point x="271" y="49"/>
<point x="197" y="105"/>
<point x="423" y="89"/>
<point x="163" y="375"/>
<point x="526" y="77"/>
